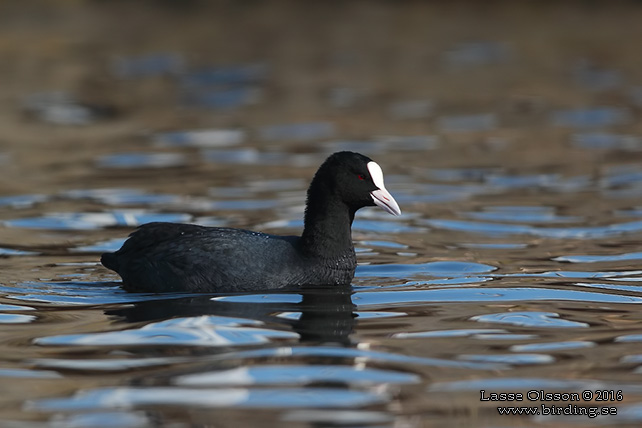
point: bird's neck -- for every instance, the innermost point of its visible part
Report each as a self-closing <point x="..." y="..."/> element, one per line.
<point x="327" y="228"/>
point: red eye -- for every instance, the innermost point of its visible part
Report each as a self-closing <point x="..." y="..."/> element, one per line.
<point x="361" y="177"/>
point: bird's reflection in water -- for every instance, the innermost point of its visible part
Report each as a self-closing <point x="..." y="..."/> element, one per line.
<point x="318" y="315"/>
<point x="327" y="315"/>
<point x="323" y="318"/>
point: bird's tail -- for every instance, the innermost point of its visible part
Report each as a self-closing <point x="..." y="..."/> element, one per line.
<point x="110" y="261"/>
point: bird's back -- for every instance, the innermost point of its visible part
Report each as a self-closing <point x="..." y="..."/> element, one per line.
<point x="161" y="257"/>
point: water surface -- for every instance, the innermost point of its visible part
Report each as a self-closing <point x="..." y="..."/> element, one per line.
<point x="514" y="267"/>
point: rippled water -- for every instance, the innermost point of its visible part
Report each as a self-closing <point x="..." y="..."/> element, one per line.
<point x="514" y="268"/>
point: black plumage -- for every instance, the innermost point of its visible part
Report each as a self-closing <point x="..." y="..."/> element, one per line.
<point x="161" y="257"/>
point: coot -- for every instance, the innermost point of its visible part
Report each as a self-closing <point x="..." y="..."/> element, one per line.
<point x="162" y="257"/>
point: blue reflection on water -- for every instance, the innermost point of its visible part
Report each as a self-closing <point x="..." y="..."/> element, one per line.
<point x="90" y="221"/>
<point x="304" y="131"/>
<point x="517" y="384"/>
<point x="29" y="374"/>
<point x="142" y="160"/>
<point x="448" y="333"/>
<point x="553" y="346"/>
<point x="526" y="214"/>
<point x="294" y="374"/>
<point x="72" y="293"/>
<point x="606" y="141"/>
<point x="590" y="117"/>
<point x="101" y="247"/>
<point x="128" y="397"/>
<point x="13" y="252"/>
<point x="365" y="355"/>
<point x="196" y="331"/>
<point x="148" y="65"/>
<point x="588" y="232"/>
<point x="22" y="201"/>
<point x="512" y="359"/>
<point x="115" y="196"/>
<point x="468" y="123"/>
<point x="241" y="74"/>
<point x="597" y="259"/>
<point x="228" y="98"/>
<point x="16" y="318"/>
<point x="464" y="294"/>
<point x="528" y="319"/>
<point x="438" y="269"/>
